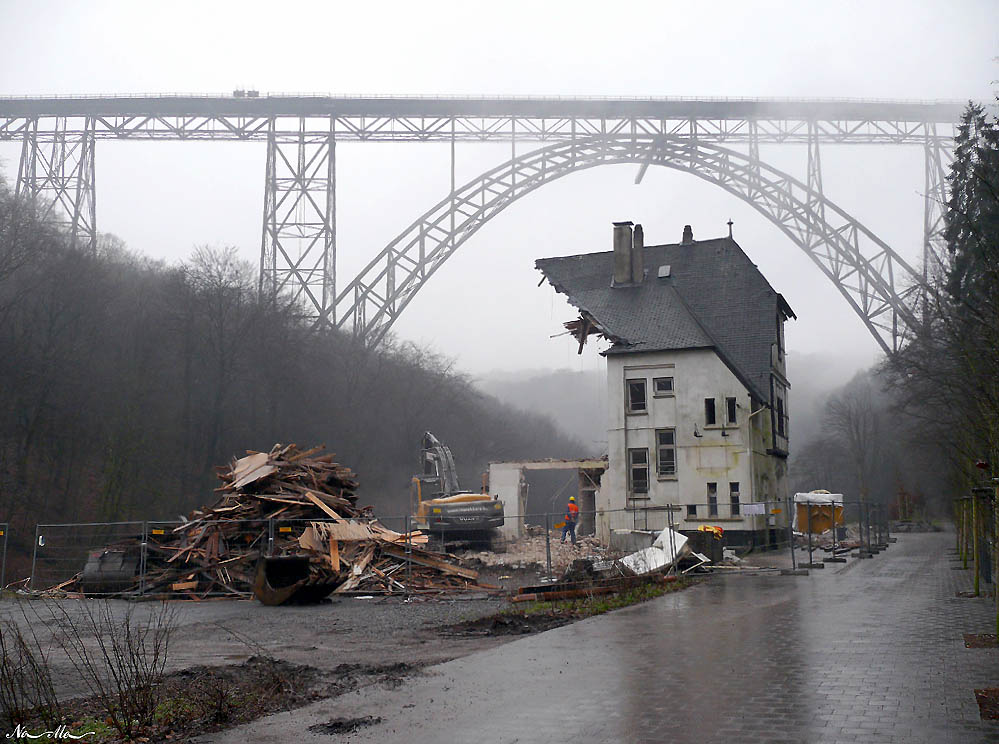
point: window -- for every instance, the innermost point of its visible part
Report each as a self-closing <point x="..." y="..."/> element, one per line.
<point x="662" y="387"/>
<point x="636" y="396"/>
<point x="638" y="468"/>
<point x="692" y="511"/>
<point x="733" y="495"/>
<point x="709" y="411"/>
<point x="665" y="452"/>
<point x="712" y="499"/>
<point x="780" y="417"/>
<point x="730" y="410"/>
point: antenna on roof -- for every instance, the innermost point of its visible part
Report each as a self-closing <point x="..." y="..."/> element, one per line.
<point x="730" y="223"/>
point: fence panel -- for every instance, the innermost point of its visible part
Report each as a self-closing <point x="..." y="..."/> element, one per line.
<point x="61" y="550"/>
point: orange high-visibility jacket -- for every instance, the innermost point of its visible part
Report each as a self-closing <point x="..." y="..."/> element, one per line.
<point x="572" y="513"/>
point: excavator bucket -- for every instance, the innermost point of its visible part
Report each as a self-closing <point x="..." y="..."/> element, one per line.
<point x="289" y="580"/>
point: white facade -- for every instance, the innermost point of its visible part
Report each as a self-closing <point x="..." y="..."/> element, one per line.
<point x="709" y="472"/>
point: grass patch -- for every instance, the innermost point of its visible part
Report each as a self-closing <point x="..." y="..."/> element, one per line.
<point x="535" y="617"/>
<point x="582" y="607"/>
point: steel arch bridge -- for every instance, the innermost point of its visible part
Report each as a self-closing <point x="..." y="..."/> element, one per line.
<point x="58" y="139"/>
<point x="877" y="283"/>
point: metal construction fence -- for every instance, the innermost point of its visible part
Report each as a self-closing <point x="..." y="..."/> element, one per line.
<point x="976" y="516"/>
<point x="146" y="551"/>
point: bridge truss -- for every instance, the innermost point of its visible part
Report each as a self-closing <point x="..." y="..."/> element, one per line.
<point x="717" y="140"/>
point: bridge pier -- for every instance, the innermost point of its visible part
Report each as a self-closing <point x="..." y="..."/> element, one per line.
<point x="936" y="160"/>
<point x="56" y="172"/>
<point x="298" y="243"/>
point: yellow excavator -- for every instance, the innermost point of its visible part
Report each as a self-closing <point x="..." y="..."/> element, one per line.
<point x="440" y="506"/>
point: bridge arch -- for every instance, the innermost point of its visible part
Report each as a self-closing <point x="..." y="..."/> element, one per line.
<point x="877" y="283"/>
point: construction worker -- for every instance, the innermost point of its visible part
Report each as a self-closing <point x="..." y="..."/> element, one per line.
<point x="571" y="517"/>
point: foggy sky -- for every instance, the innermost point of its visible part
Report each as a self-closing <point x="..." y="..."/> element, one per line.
<point x="483" y="305"/>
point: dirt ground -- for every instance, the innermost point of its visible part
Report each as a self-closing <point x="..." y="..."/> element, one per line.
<point x="373" y="632"/>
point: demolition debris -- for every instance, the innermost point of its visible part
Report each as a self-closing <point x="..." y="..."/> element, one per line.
<point x="286" y="528"/>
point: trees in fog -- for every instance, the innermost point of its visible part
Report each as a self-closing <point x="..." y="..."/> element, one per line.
<point x="948" y="375"/>
<point x="123" y="382"/>
<point x="923" y="419"/>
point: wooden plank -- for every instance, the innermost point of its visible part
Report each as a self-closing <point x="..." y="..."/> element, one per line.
<point x="424" y="559"/>
<point x="322" y="505"/>
<point x="184" y="585"/>
<point x="251" y="468"/>
<point x="296" y="502"/>
<point x="347" y="531"/>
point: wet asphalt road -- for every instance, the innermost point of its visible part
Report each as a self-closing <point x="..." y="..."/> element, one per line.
<point x="867" y="652"/>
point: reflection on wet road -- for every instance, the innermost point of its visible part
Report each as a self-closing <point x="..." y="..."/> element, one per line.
<point x="867" y="652"/>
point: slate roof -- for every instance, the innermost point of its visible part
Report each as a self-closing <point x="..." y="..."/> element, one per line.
<point x="714" y="297"/>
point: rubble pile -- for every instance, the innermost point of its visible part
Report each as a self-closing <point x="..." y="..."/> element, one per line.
<point x="847" y="539"/>
<point x="530" y="551"/>
<point x="216" y="551"/>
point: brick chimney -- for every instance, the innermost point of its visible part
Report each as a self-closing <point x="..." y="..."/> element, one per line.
<point x="622" y="252"/>
<point x="688" y="236"/>
<point x="638" y="255"/>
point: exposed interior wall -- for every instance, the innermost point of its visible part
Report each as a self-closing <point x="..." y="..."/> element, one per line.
<point x="506" y="481"/>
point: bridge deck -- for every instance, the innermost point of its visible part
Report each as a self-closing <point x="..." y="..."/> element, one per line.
<point x="942" y="112"/>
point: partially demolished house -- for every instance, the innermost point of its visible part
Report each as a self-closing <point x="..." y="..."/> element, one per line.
<point x="697" y="383"/>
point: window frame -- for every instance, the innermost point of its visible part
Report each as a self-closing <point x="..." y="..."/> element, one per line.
<point x="734" y="495"/>
<point x="691" y="511"/>
<point x="710" y="406"/>
<point x="632" y="466"/>
<point x="627" y="396"/>
<point x="712" y="499"/>
<point x="659" y="450"/>
<point x="666" y="393"/>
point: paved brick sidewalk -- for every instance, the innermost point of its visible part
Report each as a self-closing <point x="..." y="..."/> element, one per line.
<point x="867" y="652"/>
